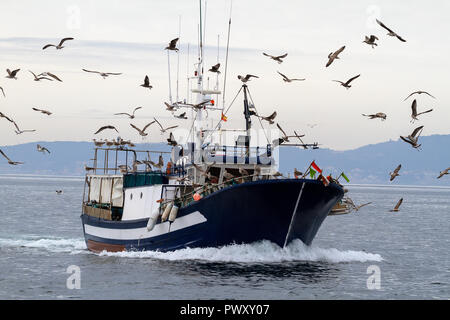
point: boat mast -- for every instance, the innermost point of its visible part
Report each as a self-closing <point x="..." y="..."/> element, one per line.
<point x="247" y="113"/>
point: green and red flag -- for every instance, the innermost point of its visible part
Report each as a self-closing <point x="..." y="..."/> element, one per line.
<point x="312" y="173"/>
<point x="316" y="167"/>
<point x="345" y="177"/>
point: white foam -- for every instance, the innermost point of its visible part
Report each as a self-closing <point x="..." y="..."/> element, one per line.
<point x="52" y="244"/>
<point x="258" y="252"/>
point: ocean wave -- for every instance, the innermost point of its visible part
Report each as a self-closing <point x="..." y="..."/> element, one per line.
<point x="258" y="252"/>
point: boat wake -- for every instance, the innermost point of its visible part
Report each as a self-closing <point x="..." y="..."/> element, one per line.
<point x="51" y="244"/>
<point x="258" y="252"/>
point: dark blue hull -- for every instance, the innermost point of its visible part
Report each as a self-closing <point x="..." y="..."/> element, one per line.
<point x="274" y="210"/>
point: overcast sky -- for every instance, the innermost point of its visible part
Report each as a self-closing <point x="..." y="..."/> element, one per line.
<point x="129" y="37"/>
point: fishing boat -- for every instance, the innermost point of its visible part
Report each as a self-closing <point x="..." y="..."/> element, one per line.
<point x="206" y="191"/>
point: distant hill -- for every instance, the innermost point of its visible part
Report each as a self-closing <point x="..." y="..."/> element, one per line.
<point x="370" y="164"/>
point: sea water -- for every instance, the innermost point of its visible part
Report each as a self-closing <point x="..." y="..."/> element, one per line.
<point x="368" y="254"/>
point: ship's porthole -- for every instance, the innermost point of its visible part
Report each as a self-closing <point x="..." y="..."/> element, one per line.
<point x="141" y="195"/>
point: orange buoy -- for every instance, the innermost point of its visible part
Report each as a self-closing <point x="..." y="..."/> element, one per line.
<point x="197" y="196"/>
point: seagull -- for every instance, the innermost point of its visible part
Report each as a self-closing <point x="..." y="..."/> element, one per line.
<point x="414" y="113"/>
<point x="171" y="141"/>
<point x="198" y="105"/>
<point x="205" y="172"/>
<point x="172" y="45"/>
<point x="131" y="116"/>
<point x="347" y="84"/>
<point x="285" y="137"/>
<point x="160" y="163"/>
<point x="169" y="107"/>
<point x="39" y="78"/>
<point x="59" y="46"/>
<point x="106" y="127"/>
<point x="142" y="132"/>
<point x="442" y="173"/>
<point x="98" y="143"/>
<point x="103" y="74"/>
<point x="299" y="137"/>
<point x="419" y="92"/>
<point x="371" y="40"/>
<point x="380" y="115"/>
<point x="12" y="74"/>
<point x="412" y="139"/>
<point x="215" y="68"/>
<point x="42" y="111"/>
<point x="146" y="83"/>
<point x="181" y="116"/>
<point x="297" y="173"/>
<point x="334" y="55"/>
<point x="311" y="125"/>
<point x="390" y="33"/>
<point x="395" y="173"/>
<point x="286" y="79"/>
<point x="227" y="175"/>
<point x="3" y="92"/>
<point x="269" y="118"/>
<point x="397" y="206"/>
<point x="9" y="160"/>
<point x="164" y="129"/>
<point x="243" y="172"/>
<point x="59" y="191"/>
<point x="276" y="58"/>
<point x="361" y="205"/>
<point x="18" y="131"/>
<point x="42" y="149"/>
<point x="49" y="74"/>
<point x="246" y="78"/>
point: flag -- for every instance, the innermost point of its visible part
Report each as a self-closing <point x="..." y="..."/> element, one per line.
<point x="324" y="180"/>
<point x="224" y="118"/>
<point x="316" y="167"/>
<point x="312" y="173"/>
<point x="345" y="177"/>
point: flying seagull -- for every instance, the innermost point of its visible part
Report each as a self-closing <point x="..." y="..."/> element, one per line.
<point x="419" y="92"/>
<point x="142" y="132"/>
<point x="171" y="141"/>
<point x="246" y="78"/>
<point x="371" y="40"/>
<point x="172" y="45"/>
<point x="106" y="127"/>
<point x="103" y="74"/>
<point x="42" y="149"/>
<point x="39" y="78"/>
<point x="9" y="160"/>
<point x="269" y="118"/>
<point x="3" y="92"/>
<point x="12" y="74"/>
<point x="146" y="83"/>
<point x="276" y="58"/>
<point x="215" y="68"/>
<point x="164" y="129"/>
<point x="49" y="74"/>
<point x="334" y="55"/>
<point x="380" y="115"/>
<point x="395" y="173"/>
<point x="42" y="111"/>
<point x="397" y="206"/>
<point x="18" y="131"/>
<point x="181" y="116"/>
<point x="131" y="116"/>
<point x="286" y="79"/>
<point x="198" y="105"/>
<point x="59" y="191"/>
<point x="414" y="113"/>
<point x="59" y="46"/>
<point x="2" y="115"/>
<point x="347" y="83"/>
<point x="442" y="173"/>
<point x="390" y="32"/>
<point x="413" y="138"/>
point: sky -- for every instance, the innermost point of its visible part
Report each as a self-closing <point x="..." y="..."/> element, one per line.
<point x="129" y="37"/>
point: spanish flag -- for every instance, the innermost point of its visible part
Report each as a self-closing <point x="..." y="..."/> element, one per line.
<point x="223" y="118"/>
